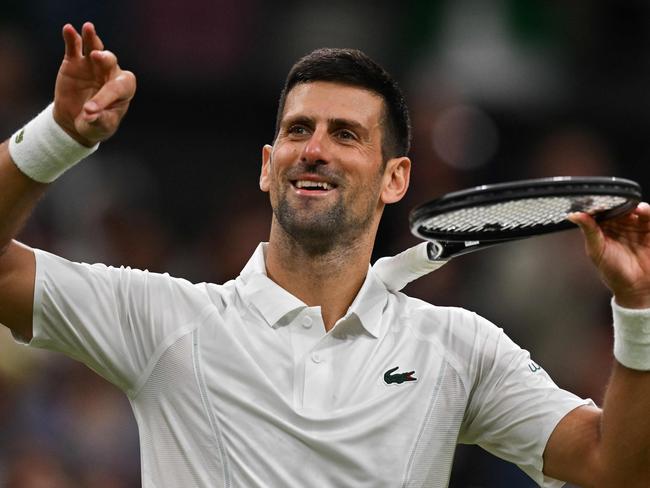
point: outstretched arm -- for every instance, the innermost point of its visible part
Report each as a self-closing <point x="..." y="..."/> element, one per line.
<point x="92" y="94"/>
<point x="611" y="447"/>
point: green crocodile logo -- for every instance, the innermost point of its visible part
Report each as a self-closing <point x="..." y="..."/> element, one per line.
<point x="398" y="378"/>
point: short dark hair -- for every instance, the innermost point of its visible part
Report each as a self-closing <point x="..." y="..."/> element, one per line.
<point x="353" y="67"/>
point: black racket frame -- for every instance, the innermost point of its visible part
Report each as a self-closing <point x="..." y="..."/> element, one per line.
<point x="446" y="245"/>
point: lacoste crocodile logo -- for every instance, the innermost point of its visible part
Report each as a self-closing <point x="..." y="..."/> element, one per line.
<point x="19" y="137"/>
<point x="398" y="378"/>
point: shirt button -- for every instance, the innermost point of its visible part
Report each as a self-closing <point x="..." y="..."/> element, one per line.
<point x="316" y="357"/>
<point x="306" y="322"/>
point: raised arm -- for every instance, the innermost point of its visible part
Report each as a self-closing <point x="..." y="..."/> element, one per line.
<point x="91" y="96"/>
<point x="611" y="448"/>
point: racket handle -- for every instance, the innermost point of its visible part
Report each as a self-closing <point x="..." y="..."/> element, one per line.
<point x="399" y="270"/>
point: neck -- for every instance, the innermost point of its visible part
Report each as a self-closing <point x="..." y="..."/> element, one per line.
<point x="329" y="277"/>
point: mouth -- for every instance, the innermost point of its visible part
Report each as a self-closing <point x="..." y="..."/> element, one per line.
<point x="311" y="187"/>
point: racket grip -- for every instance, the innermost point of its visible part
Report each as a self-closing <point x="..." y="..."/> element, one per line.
<point x="399" y="270"/>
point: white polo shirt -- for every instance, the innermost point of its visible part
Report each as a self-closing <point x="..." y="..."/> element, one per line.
<point x="238" y="385"/>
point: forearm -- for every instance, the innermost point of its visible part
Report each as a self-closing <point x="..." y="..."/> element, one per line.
<point x="39" y="153"/>
<point x="625" y="429"/>
<point x="625" y="426"/>
<point x="18" y="197"/>
<point x="608" y="447"/>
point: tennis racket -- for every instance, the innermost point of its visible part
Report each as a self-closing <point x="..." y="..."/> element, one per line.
<point x="471" y="220"/>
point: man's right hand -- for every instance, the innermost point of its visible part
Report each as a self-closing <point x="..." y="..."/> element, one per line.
<point x="91" y="96"/>
<point x="92" y="92"/>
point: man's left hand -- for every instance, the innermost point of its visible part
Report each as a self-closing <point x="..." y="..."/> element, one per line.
<point x="620" y="249"/>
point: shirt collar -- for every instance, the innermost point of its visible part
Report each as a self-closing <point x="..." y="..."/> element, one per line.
<point x="369" y="303"/>
<point x="274" y="302"/>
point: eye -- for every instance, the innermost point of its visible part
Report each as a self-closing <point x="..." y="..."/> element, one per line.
<point x="346" y="135"/>
<point x="297" y="130"/>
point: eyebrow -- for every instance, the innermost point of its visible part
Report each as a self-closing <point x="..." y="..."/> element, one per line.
<point x="337" y="123"/>
<point x="298" y="119"/>
<point x="352" y="124"/>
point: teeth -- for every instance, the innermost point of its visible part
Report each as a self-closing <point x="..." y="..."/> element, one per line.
<point x="321" y="185"/>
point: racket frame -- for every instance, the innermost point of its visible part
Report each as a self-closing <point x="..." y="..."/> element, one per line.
<point x="447" y="245"/>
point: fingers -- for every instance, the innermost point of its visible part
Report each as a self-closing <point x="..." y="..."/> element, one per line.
<point x="91" y="41"/>
<point x="577" y="217"/>
<point x="81" y="45"/>
<point x="92" y="92"/>
<point x="585" y="221"/>
<point x="642" y="211"/>
<point x="117" y="90"/>
<point x="104" y="65"/>
<point x="105" y="62"/>
<point x="592" y="232"/>
<point x="118" y="85"/>
<point x="72" y="42"/>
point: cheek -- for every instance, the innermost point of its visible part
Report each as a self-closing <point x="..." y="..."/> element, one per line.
<point x="276" y="173"/>
<point x="282" y="160"/>
<point x="372" y="187"/>
<point x="286" y="152"/>
<point x="361" y="189"/>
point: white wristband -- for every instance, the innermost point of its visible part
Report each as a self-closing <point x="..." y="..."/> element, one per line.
<point x="43" y="150"/>
<point x="632" y="336"/>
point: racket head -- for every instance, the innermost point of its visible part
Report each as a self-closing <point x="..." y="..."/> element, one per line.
<point x="524" y="208"/>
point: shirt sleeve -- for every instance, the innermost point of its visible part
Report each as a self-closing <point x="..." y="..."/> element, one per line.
<point x="117" y="321"/>
<point x="514" y="405"/>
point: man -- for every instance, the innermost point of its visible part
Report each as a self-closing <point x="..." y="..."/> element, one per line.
<point x="306" y="370"/>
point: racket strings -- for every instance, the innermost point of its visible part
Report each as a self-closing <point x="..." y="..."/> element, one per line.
<point x="519" y="214"/>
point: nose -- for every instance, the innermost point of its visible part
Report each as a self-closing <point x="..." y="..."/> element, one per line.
<point x="315" y="149"/>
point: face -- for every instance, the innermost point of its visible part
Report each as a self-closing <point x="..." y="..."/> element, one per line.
<point x="325" y="173"/>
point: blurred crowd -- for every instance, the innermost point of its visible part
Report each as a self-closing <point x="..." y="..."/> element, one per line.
<point x="498" y="90"/>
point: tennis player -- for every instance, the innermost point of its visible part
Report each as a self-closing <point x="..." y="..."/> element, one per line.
<point x="307" y="370"/>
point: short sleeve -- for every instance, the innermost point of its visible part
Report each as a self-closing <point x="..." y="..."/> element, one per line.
<point x="514" y="405"/>
<point x="114" y="320"/>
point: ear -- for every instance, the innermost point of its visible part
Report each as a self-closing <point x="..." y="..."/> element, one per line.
<point x="266" y="168"/>
<point x="396" y="179"/>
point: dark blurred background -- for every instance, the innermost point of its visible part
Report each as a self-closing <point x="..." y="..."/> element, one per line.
<point x="498" y="90"/>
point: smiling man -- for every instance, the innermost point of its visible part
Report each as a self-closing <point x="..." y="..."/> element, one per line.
<point x="307" y="370"/>
<point x="329" y="178"/>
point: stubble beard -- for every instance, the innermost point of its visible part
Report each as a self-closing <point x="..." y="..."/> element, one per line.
<point x="320" y="232"/>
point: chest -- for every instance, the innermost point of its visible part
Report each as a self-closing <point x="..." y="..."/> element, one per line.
<point x="344" y="402"/>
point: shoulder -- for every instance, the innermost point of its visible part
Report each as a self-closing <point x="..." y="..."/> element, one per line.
<point x="440" y="321"/>
<point x="221" y="296"/>
<point x="462" y="336"/>
<point x="125" y="284"/>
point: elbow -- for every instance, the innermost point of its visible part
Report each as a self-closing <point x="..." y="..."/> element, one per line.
<point x="616" y="474"/>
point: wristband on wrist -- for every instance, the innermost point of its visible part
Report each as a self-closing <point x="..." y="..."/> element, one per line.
<point x="632" y="336"/>
<point x="43" y="151"/>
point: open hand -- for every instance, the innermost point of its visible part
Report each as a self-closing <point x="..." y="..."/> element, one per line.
<point x="92" y="92"/>
<point x="620" y="249"/>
